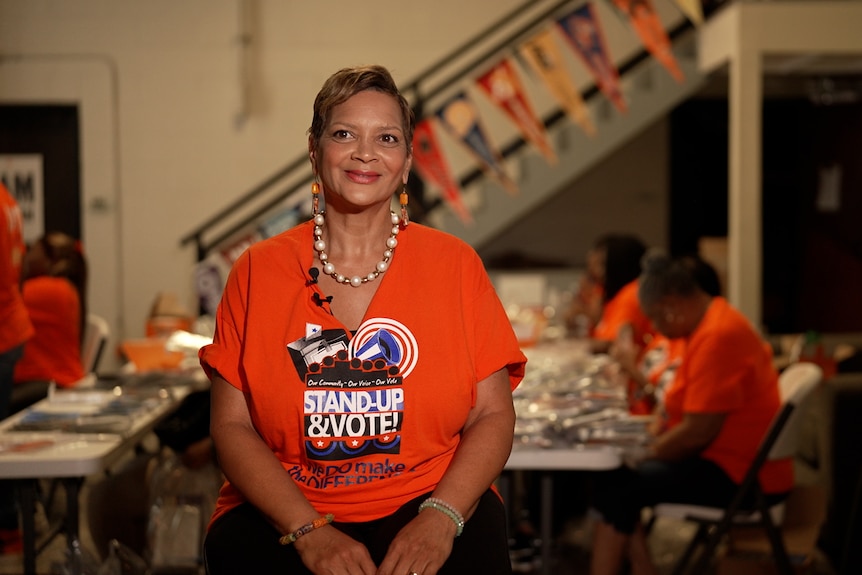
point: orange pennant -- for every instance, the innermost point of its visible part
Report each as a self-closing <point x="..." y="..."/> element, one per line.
<point x="429" y="162"/>
<point x="544" y="56"/>
<point x="503" y="87"/>
<point x="646" y="23"/>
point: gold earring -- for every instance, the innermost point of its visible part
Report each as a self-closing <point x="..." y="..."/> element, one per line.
<point x="315" y="199"/>
<point x="403" y="199"/>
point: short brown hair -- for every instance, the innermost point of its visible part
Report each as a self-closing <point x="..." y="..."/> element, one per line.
<point x="348" y="82"/>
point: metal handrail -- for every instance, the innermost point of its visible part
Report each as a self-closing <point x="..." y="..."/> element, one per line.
<point x="411" y="87"/>
<point x="420" y="97"/>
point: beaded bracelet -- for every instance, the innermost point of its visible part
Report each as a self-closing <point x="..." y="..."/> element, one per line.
<point x="446" y="509"/>
<point x="307" y="528"/>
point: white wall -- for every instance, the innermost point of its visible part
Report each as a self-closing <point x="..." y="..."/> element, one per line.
<point x="158" y="82"/>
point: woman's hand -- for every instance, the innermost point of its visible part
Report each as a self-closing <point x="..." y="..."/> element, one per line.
<point x="328" y="551"/>
<point x="422" y="546"/>
<point x="625" y="351"/>
<point x="688" y="438"/>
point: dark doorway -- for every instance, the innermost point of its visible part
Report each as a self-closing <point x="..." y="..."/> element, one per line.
<point x="53" y="133"/>
<point x="812" y="249"/>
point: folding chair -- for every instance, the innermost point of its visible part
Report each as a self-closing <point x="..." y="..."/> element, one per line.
<point x="795" y="383"/>
<point x="96" y="332"/>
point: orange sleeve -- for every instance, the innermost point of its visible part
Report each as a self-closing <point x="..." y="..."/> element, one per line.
<point x="624" y="308"/>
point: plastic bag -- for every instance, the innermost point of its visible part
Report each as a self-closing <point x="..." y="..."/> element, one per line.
<point x="122" y="560"/>
<point x="182" y="502"/>
<point x="78" y="561"/>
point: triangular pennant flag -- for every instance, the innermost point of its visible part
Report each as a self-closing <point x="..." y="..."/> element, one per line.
<point x="581" y="28"/>
<point x="460" y="116"/>
<point x="544" y="56"/>
<point x="646" y="23"/>
<point x="429" y="162"/>
<point x="692" y="9"/>
<point x="503" y="87"/>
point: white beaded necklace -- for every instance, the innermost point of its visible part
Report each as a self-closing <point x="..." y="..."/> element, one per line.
<point x="355" y="281"/>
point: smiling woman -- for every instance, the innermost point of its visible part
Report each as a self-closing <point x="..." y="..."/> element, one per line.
<point x="361" y="414"/>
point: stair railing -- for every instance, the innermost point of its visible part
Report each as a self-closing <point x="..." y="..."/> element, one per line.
<point x="419" y="90"/>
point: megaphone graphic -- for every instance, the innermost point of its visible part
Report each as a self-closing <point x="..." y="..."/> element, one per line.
<point x="381" y="345"/>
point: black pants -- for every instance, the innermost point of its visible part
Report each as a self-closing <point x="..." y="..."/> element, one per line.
<point x="620" y="494"/>
<point x="243" y="541"/>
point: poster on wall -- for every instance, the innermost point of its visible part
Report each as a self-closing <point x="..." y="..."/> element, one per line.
<point x="22" y="175"/>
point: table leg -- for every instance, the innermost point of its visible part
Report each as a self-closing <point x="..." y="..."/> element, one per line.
<point x="72" y="485"/>
<point x="546" y="520"/>
<point x="27" y="492"/>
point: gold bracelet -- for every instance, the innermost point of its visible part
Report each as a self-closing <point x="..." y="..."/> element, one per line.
<point x="307" y="528"/>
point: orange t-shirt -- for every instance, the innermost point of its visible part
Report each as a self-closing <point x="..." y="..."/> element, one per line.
<point x="15" y="326"/>
<point x="362" y="422"/>
<point x="728" y="369"/>
<point x="624" y="308"/>
<point x="54" y="352"/>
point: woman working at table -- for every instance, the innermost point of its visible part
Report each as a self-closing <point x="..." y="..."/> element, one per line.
<point x="55" y="292"/>
<point x="361" y="406"/>
<point x="607" y="297"/>
<point x="651" y="369"/>
<point x="719" y="406"/>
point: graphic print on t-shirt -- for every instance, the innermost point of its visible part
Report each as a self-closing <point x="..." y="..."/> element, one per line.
<point x="354" y="398"/>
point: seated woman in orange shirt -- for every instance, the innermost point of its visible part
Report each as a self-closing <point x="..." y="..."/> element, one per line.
<point x="718" y="408"/>
<point x="651" y="369"/>
<point x="613" y="263"/>
<point x="54" y="287"/>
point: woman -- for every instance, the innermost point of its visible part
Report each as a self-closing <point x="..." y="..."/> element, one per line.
<point x="651" y="369"/>
<point x="718" y="408"/>
<point x="54" y="289"/>
<point x="361" y="373"/>
<point x="613" y="265"/>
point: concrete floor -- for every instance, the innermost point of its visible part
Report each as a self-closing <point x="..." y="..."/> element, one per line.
<point x="667" y="541"/>
<point x="120" y="500"/>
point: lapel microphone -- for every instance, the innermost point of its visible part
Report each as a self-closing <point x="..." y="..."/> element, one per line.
<point x="313" y="272"/>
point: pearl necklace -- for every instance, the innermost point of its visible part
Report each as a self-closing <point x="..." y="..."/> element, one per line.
<point x="355" y="281"/>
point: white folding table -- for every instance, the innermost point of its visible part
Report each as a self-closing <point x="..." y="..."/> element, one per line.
<point x="579" y="457"/>
<point x="69" y="457"/>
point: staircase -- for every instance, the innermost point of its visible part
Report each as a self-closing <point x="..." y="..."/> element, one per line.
<point x="650" y="93"/>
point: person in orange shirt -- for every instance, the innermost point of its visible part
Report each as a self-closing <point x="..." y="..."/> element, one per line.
<point x="608" y="301"/>
<point x="651" y="369"/>
<point x="718" y="408"/>
<point x="362" y="372"/>
<point x="15" y="331"/>
<point x="54" y="290"/>
<point x="15" y="325"/>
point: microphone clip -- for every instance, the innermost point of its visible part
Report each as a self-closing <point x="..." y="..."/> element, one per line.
<point x="320" y="300"/>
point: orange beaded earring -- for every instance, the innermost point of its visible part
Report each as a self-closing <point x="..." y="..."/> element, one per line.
<point x="405" y="219"/>
<point x="315" y="199"/>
